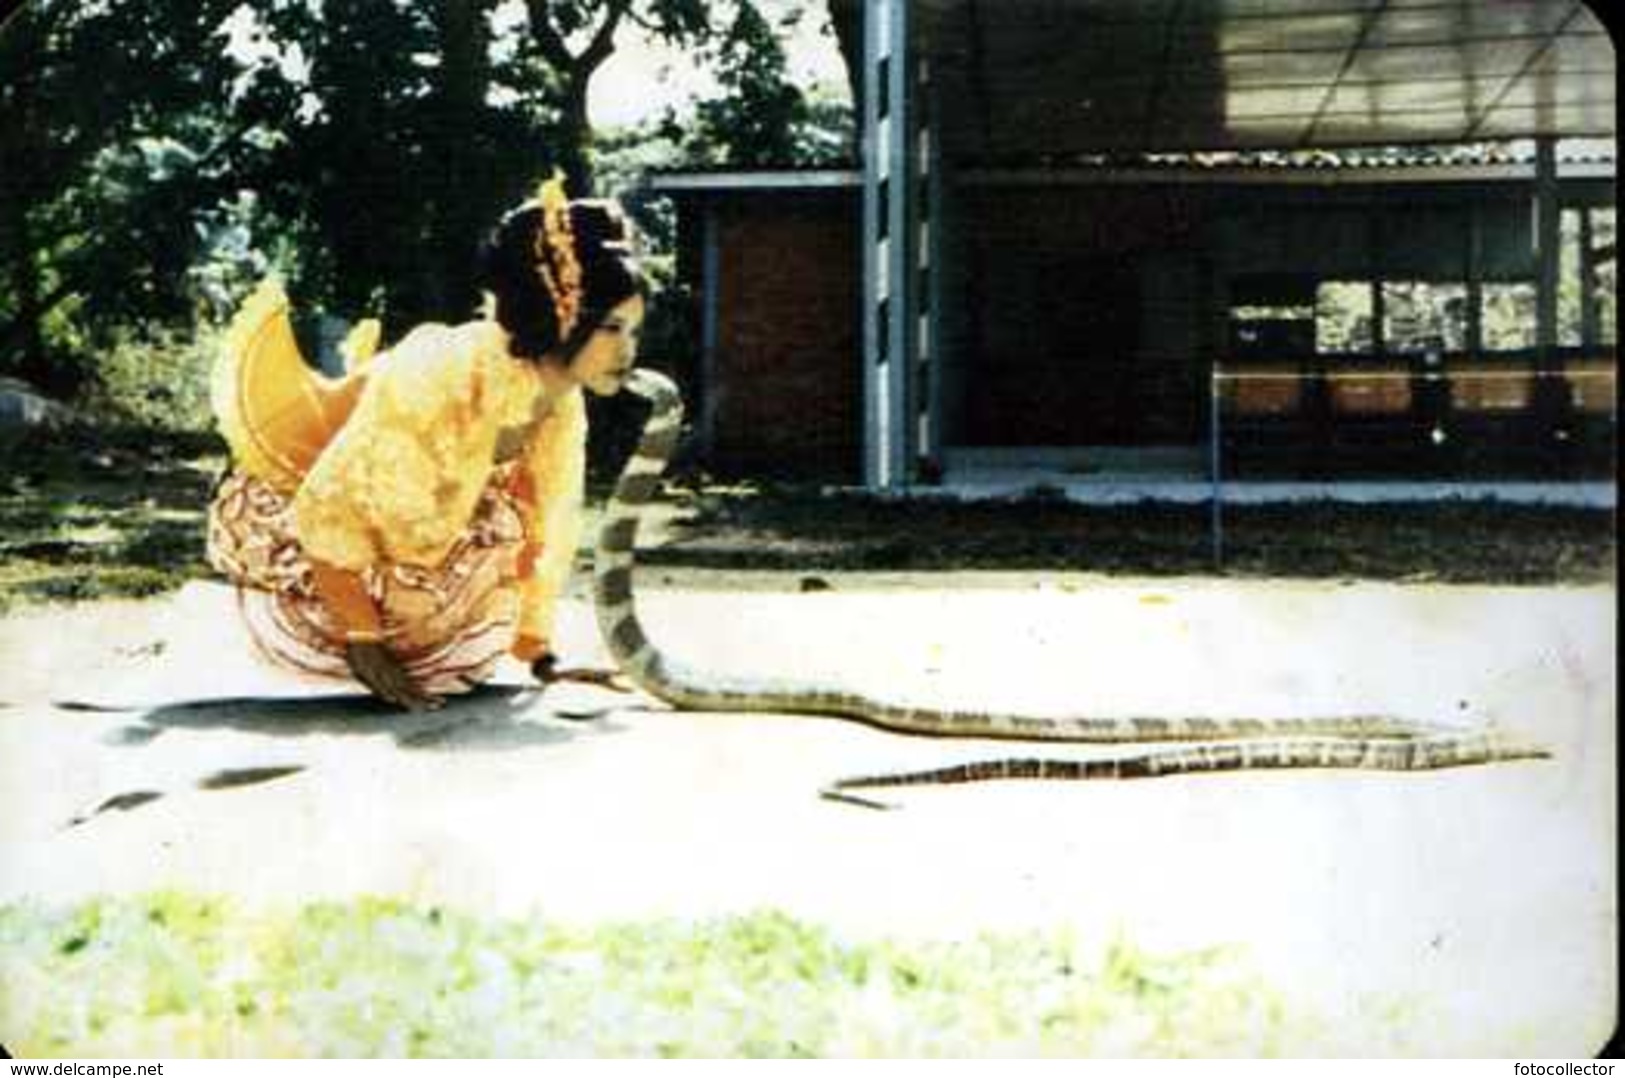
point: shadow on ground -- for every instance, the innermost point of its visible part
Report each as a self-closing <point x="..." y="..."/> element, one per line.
<point x="491" y="718"/>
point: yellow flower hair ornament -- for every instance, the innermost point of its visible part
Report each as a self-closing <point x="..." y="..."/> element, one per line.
<point x="555" y="251"/>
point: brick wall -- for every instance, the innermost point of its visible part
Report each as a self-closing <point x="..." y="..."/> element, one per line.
<point x="787" y="383"/>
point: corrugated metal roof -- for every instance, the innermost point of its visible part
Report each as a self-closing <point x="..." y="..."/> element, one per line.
<point x="1017" y="78"/>
<point x="1515" y="161"/>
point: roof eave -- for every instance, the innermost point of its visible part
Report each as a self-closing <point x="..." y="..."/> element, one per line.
<point x="765" y="180"/>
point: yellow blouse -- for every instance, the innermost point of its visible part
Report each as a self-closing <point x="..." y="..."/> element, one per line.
<point x="400" y="480"/>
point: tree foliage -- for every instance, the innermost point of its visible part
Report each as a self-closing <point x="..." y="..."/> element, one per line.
<point x="111" y="130"/>
<point x="762" y="119"/>
<point x="157" y="155"/>
<point x="386" y="155"/>
<point x="556" y="26"/>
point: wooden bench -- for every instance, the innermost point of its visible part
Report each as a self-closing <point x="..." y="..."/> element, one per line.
<point x="1478" y="388"/>
<point x="1592" y="386"/>
<point x="1260" y="391"/>
<point x="1378" y="391"/>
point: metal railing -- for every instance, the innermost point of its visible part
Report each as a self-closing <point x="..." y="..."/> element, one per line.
<point x="1426" y="394"/>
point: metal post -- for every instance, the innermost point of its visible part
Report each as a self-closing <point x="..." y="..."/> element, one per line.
<point x="1547" y="240"/>
<point x="1215" y="469"/>
<point x="900" y="331"/>
<point x="1551" y="401"/>
<point x="1475" y="282"/>
<point x="710" y="305"/>
<point x="886" y="242"/>
<point x="928" y="231"/>
<point x="873" y="258"/>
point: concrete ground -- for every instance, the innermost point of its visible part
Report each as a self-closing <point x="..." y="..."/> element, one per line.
<point x="1104" y="475"/>
<point x="1460" y="912"/>
<point x="1129" y="489"/>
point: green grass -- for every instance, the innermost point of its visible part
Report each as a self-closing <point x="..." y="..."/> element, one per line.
<point x="180" y="975"/>
<point x="1448" y="541"/>
<point x="114" y="513"/>
<point x="104" y="515"/>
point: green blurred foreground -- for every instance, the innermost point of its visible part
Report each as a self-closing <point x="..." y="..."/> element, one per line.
<point x="174" y="975"/>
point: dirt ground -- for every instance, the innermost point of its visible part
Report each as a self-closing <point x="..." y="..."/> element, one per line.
<point x="1461" y="912"/>
<point x="108" y="520"/>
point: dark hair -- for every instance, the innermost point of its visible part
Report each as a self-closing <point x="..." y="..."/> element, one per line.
<point x="524" y="307"/>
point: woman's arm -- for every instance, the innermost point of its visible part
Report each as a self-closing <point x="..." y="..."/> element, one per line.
<point x="398" y="484"/>
<point x="344" y="593"/>
<point x="557" y="469"/>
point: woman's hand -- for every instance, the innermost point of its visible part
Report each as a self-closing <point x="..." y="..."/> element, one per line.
<point x="344" y="593"/>
<point x="545" y="668"/>
<point x="378" y="669"/>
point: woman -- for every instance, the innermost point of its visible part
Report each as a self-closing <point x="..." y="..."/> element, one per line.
<point x="414" y="522"/>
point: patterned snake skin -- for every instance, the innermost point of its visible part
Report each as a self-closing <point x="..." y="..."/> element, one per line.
<point x="1365" y="742"/>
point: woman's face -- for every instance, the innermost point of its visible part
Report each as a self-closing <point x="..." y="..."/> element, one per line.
<point x="607" y="358"/>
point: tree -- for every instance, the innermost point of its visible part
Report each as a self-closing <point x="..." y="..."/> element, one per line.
<point x="446" y="127"/>
<point x="846" y="20"/>
<point x="360" y="148"/>
<point x="755" y="123"/>
<point x="400" y="136"/>
<point x="593" y="25"/>
<point x="108" y="138"/>
<point x="763" y="120"/>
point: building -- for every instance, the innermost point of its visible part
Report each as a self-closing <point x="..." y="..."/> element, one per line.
<point x="1355" y="234"/>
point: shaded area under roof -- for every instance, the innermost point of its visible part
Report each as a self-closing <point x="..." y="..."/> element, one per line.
<point x="1025" y="78"/>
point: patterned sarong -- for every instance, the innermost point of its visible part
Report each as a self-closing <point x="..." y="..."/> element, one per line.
<point x="449" y="626"/>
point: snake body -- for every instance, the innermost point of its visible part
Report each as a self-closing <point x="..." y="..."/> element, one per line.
<point x="1365" y="742"/>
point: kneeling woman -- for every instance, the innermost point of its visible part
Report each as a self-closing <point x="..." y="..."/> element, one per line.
<point x="412" y="523"/>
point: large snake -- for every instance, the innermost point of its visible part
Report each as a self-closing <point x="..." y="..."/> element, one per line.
<point x="1365" y="742"/>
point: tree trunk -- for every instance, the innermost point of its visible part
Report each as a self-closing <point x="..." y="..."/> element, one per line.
<point x="574" y="154"/>
<point x="574" y="150"/>
<point x="462" y="202"/>
<point x="24" y="340"/>
<point x="846" y="17"/>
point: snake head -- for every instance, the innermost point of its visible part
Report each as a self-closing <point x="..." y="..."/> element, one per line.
<point x="653" y="386"/>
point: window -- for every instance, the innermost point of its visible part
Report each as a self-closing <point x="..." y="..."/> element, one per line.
<point x="1508" y="316"/>
<point x="1272" y="315"/>
<point x="1422" y="316"/>
<point x="1251" y="313"/>
<point x="1605" y="271"/>
<point x="1257" y="330"/>
<point x="1570" y="323"/>
<point x="1343" y="316"/>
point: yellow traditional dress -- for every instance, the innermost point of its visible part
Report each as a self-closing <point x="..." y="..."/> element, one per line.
<point x="420" y="481"/>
